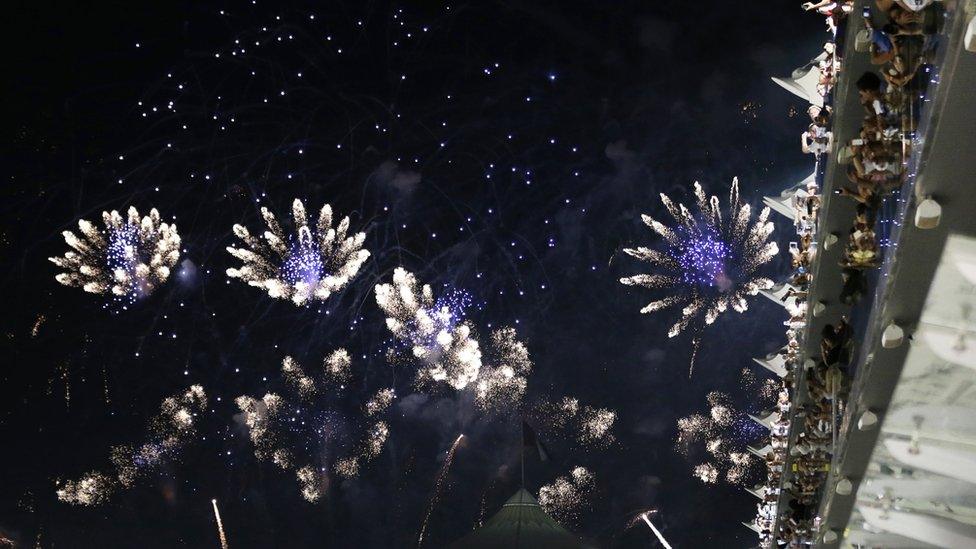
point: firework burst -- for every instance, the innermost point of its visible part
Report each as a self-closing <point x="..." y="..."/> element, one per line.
<point x="447" y="347"/>
<point x="588" y="426"/>
<point x="709" y="260"/>
<point x="308" y="266"/>
<point x="567" y="497"/>
<point x="295" y="431"/>
<point x="723" y="432"/>
<point x="128" y="259"/>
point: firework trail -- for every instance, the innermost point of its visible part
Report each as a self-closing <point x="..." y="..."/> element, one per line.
<point x="128" y="259"/>
<point x="447" y="348"/>
<point x="657" y="533"/>
<point x="36" y="328"/>
<point x="708" y="263"/>
<point x="220" y="525"/>
<point x="304" y="268"/>
<point x="438" y="486"/>
<point x="172" y="428"/>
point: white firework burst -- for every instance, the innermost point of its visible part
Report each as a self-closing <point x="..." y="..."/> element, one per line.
<point x="434" y="331"/>
<point x="448" y="348"/>
<point x="567" y="497"/>
<point x="723" y="434"/>
<point x="589" y="426"/>
<point x="308" y="266"/>
<point x="128" y="259"/>
<point x="709" y="260"/>
<point x="296" y="430"/>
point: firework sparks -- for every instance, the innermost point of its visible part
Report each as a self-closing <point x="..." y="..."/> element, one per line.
<point x="380" y="402"/>
<point x="36" y="328"/>
<point x="370" y="447"/>
<point x="93" y="488"/>
<point x="312" y="483"/>
<point x="566" y="497"/>
<point x="707" y="473"/>
<point x="503" y="380"/>
<point x="220" y="525"/>
<point x="447" y="346"/>
<point x="589" y="426"/>
<point x="171" y="429"/>
<point x="709" y="261"/>
<point x="338" y="367"/>
<point x="438" y="485"/>
<point x="309" y="266"/>
<point x="260" y="417"/>
<point x="657" y="533"/>
<point x="128" y="259"/>
<point x="296" y="377"/>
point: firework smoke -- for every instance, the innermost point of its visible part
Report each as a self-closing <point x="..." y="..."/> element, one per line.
<point x="709" y="260"/>
<point x="309" y="266"/>
<point x="128" y="259"/>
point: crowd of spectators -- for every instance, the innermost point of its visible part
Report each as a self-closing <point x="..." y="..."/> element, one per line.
<point x="898" y="35"/>
<point x="902" y="45"/>
<point x="809" y="451"/>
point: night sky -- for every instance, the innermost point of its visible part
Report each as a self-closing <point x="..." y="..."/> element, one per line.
<point x="502" y="148"/>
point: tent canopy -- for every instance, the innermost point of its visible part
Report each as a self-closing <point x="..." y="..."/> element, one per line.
<point x="521" y="523"/>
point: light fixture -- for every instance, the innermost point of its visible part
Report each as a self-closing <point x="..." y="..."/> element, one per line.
<point x="970" y="38"/>
<point x="892" y="336"/>
<point x="867" y="420"/>
<point x="829" y="240"/>
<point x="829" y="536"/>
<point x="844" y="487"/>
<point x="928" y="214"/>
<point x="818" y="308"/>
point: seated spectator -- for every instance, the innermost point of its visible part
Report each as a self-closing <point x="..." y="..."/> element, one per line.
<point x="880" y="166"/>
<point x="854" y="287"/>
<point x="818" y="137"/>
<point x="834" y="12"/>
<point x="907" y="56"/>
<point x="865" y="193"/>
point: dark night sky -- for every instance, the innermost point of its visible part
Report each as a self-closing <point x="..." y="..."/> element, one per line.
<point x="649" y="94"/>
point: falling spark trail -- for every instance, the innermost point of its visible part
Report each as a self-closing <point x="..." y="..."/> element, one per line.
<point x="438" y="484"/>
<point x="220" y="525"/>
<point x="660" y="538"/>
<point x="108" y="401"/>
